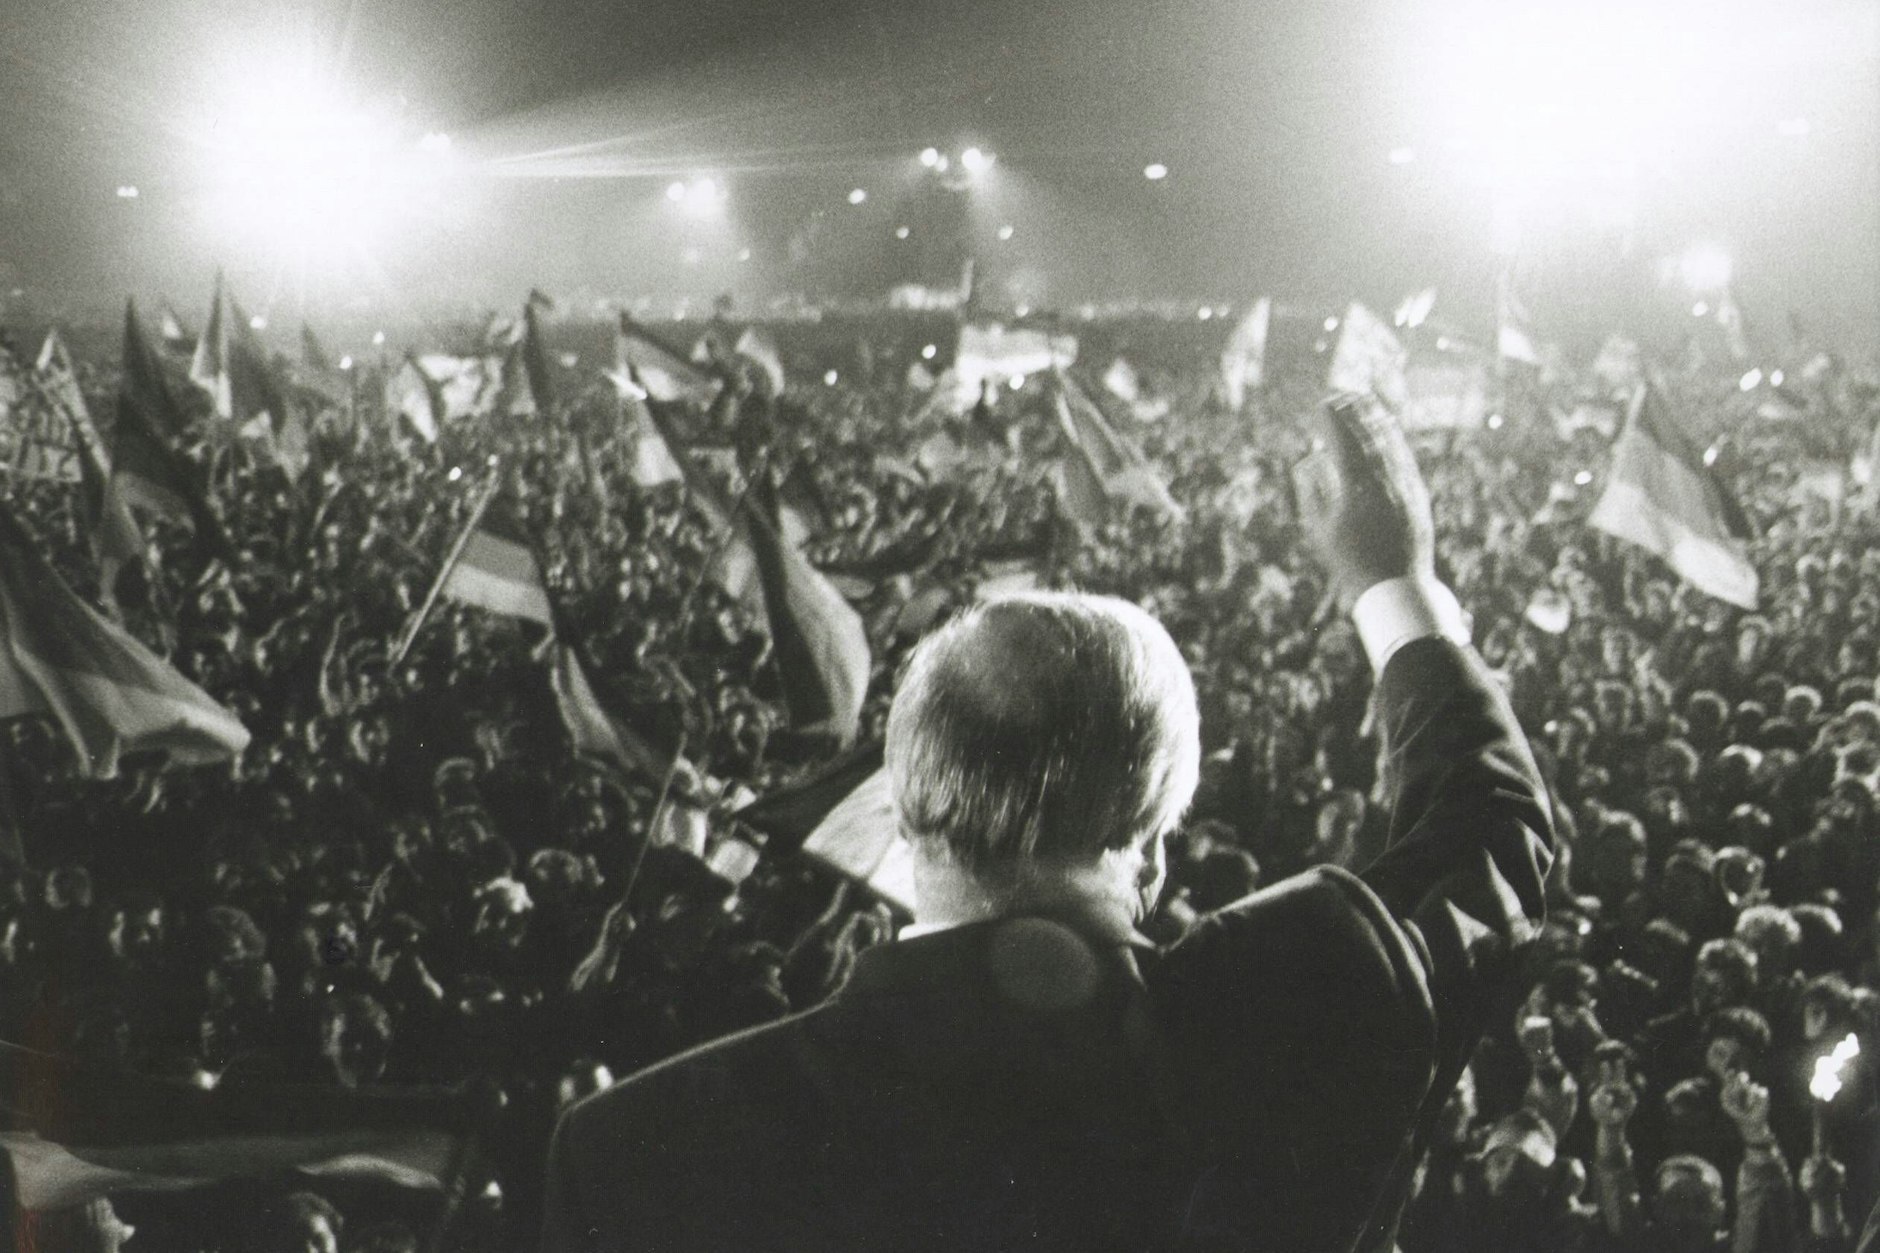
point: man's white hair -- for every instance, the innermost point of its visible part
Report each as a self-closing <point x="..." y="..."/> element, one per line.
<point x="1047" y="727"/>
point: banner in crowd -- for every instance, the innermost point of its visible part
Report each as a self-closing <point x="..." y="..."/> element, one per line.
<point x="1243" y="360"/>
<point x="73" y="1134"/>
<point x="842" y="816"/>
<point x="1662" y="495"/>
<point x="108" y="693"/>
<point x="37" y="439"/>
<point x="1444" y="394"/>
<point x="993" y="352"/>
<point x="1104" y="468"/>
<point x="145" y="465"/>
<point x="1368" y="359"/>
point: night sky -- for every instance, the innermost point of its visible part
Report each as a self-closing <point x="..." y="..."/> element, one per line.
<point x="1276" y="122"/>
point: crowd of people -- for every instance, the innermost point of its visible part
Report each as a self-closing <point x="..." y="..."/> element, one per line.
<point x="410" y="877"/>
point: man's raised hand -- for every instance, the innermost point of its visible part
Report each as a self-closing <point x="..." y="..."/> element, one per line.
<point x="1362" y="503"/>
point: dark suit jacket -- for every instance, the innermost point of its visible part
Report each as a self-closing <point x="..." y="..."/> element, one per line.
<point x="1051" y="1083"/>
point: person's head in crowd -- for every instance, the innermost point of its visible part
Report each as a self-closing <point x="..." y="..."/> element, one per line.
<point x="68" y="888"/>
<point x="1615" y="859"/>
<point x="1731" y="778"/>
<point x="1706" y="714"/>
<point x="1336" y="827"/>
<point x="503" y="911"/>
<point x="1736" y="1040"/>
<point x="93" y="1227"/>
<point x="1671" y="762"/>
<point x="1802" y="705"/>
<point x="1089" y="692"/>
<point x="1772" y="933"/>
<point x="1724" y="975"/>
<point x="1829" y="1008"/>
<point x="136" y="929"/>
<point x="302" y="1222"/>
<point x="1688" y="892"/>
<point x="554" y="877"/>
<point x="355" y="1038"/>
<point x="1750" y="826"/>
<point x="1666" y="817"/>
<point x="1687" y="1204"/>
<point x="1752" y="639"/>
<point x="1822" y="948"/>
<point x="232" y="936"/>
<point x="1739" y="876"/>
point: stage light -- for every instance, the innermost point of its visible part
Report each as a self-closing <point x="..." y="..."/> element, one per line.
<point x="1583" y="478"/>
<point x="1402" y="155"/>
<point x="1155" y="172"/>
<point x="744" y="254"/>
<point x="1705" y="268"/>
<point x="1494" y="421"/>
<point x="975" y="161"/>
<point x="378" y="337"/>
<point x="127" y="192"/>
<point x="1750" y="381"/>
<point x="1331" y="324"/>
<point x="675" y="192"/>
<point x="1005" y="233"/>
<point x="298" y="168"/>
<point x="345" y="363"/>
<point x="1775" y="378"/>
<point x="258" y="322"/>
<point x="859" y="196"/>
<point x="1016" y="382"/>
<point x="1205" y="312"/>
<point x="829" y="378"/>
<point x="703" y="197"/>
<point x="928" y="353"/>
<point x="930" y="157"/>
<point x="901" y="232"/>
<point x="1700" y="309"/>
<point x="1710" y="455"/>
<point x="1793" y="127"/>
<point x="456" y="472"/>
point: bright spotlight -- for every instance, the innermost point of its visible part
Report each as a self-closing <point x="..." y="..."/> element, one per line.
<point x="1750" y="381"/>
<point x="258" y="322"/>
<point x="927" y="353"/>
<point x="859" y="196"/>
<point x="1016" y="382"/>
<point x="1205" y="313"/>
<point x="1705" y="268"/>
<point x="1700" y="309"/>
<point x="378" y="337"/>
<point x="1155" y="172"/>
<point x="1793" y="128"/>
<point x="304" y="171"/>
<point x="930" y="157"/>
<point x="1775" y="378"/>
<point x="436" y="142"/>
<point x="829" y="378"/>
<point x="1005" y="233"/>
<point x="1402" y="155"/>
<point x="675" y="192"/>
<point x="1331" y="324"/>
<point x="901" y="232"/>
<point x="703" y="197"/>
<point x="345" y="363"/>
<point x="127" y="192"/>
<point x="975" y="161"/>
<point x="1583" y="478"/>
<point x="1494" y="421"/>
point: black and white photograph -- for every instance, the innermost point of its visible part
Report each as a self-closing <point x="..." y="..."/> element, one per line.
<point x="859" y="626"/>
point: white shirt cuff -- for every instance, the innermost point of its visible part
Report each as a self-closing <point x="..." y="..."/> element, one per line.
<point x="1392" y="613"/>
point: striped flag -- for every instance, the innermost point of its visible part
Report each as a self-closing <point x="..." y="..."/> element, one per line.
<point x="755" y="347"/>
<point x="1662" y="495"/>
<point x="818" y="639"/>
<point x="843" y="817"/>
<point x="107" y="692"/>
<point x="1105" y="467"/>
<point x="115" y="536"/>
<point x="496" y="570"/>
<point x="1243" y="360"/>
<point x="665" y="374"/>
<point x="74" y="1134"/>
<point x="149" y="472"/>
<point x="209" y="367"/>
<point x="415" y="396"/>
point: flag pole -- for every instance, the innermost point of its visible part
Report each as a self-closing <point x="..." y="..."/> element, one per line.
<point x="659" y="816"/>
<point x="451" y="559"/>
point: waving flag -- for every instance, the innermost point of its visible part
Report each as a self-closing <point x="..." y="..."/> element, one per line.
<point x="149" y="472"/>
<point x="415" y="396"/>
<point x="176" y="337"/>
<point x="1104" y="466"/>
<point x="1662" y="495"/>
<point x="843" y="817"/>
<point x="73" y="1134"/>
<point x="114" y="534"/>
<point x="755" y="347"/>
<point x="313" y="353"/>
<point x="44" y="424"/>
<point x="107" y="692"/>
<point x="1514" y="334"/>
<point x="1243" y="360"/>
<point x="666" y="375"/>
<point x="818" y="640"/>
<point x="494" y="568"/>
<point x="209" y="367"/>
